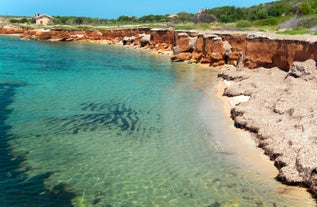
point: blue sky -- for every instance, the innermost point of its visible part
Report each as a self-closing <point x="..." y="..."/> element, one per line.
<point x="113" y="8"/>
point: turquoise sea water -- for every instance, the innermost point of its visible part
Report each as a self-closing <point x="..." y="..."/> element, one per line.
<point x="95" y="125"/>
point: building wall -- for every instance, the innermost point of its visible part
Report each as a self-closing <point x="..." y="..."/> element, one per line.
<point x="42" y="20"/>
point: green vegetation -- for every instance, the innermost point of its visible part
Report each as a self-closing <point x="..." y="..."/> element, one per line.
<point x="67" y="20"/>
<point x="290" y="15"/>
<point x="184" y="17"/>
<point x="294" y="32"/>
<point x="23" y="20"/>
<point x="307" y="21"/>
<point x="273" y="21"/>
<point x="192" y="26"/>
<point x="244" y="24"/>
<point x="263" y="11"/>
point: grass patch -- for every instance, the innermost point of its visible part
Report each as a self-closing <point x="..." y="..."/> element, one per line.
<point x="201" y="26"/>
<point x="84" y="27"/>
<point x="204" y="26"/>
<point x="243" y="24"/>
<point x="294" y="32"/>
<point x="274" y="21"/>
<point x="184" y="27"/>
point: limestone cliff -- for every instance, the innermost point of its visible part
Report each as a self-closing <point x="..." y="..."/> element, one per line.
<point x="251" y="50"/>
<point x="8" y="29"/>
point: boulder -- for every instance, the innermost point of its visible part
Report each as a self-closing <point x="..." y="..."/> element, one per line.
<point x="305" y="70"/>
<point x="176" y="50"/>
<point x="192" y="43"/>
<point x="256" y="35"/>
<point x="181" y="57"/>
<point x="128" y="40"/>
<point x="228" y="48"/>
<point x="145" y="39"/>
<point x="183" y="34"/>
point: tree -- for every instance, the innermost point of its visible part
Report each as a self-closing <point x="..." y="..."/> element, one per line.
<point x="126" y="19"/>
<point x="314" y="4"/>
<point x="278" y="9"/>
<point x="21" y="20"/>
<point x="153" y="18"/>
<point x="305" y="9"/>
<point x="185" y="17"/>
<point x="262" y="14"/>
<point x="227" y="13"/>
<point x="78" y="20"/>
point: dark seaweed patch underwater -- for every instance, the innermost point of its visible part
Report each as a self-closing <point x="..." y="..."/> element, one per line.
<point x="101" y="116"/>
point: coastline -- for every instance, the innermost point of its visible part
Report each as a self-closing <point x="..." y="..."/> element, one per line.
<point x="10" y="35"/>
<point x="290" y="171"/>
<point x="270" y="163"/>
<point x="280" y="117"/>
<point x="255" y="158"/>
<point x="239" y="144"/>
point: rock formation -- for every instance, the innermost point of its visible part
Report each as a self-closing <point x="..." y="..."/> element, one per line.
<point x="9" y="29"/>
<point x="281" y="113"/>
<point x="128" y="40"/>
<point x="145" y="39"/>
<point x="251" y="50"/>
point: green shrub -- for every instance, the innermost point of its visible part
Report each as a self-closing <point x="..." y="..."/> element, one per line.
<point x="84" y="27"/>
<point x="204" y="26"/>
<point x="279" y="8"/>
<point x="305" y="9"/>
<point x="307" y="21"/>
<point x="190" y="26"/>
<point x="184" y="27"/>
<point x="268" y="22"/>
<point x="24" y="20"/>
<point x="243" y="24"/>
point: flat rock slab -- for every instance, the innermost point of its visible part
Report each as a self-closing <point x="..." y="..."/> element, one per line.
<point x="281" y="112"/>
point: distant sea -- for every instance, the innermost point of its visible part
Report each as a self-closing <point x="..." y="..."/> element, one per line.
<point x="96" y="125"/>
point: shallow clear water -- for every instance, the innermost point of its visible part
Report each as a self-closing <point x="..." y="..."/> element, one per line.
<point x="94" y="125"/>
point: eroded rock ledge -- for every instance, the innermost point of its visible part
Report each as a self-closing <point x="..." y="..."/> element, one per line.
<point x="249" y="49"/>
<point x="281" y="113"/>
<point x="252" y="50"/>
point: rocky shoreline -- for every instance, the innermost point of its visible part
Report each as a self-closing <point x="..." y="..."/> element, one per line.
<point x="272" y="83"/>
<point x="215" y="48"/>
<point x="280" y="113"/>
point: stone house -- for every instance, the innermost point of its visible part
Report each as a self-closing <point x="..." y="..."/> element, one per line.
<point x="42" y="19"/>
